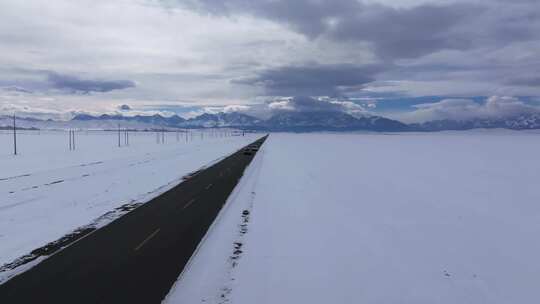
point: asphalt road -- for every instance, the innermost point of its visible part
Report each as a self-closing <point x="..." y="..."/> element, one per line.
<point x="138" y="257"/>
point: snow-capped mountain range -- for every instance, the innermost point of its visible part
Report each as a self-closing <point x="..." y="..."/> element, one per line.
<point x="281" y="121"/>
<point x="519" y="122"/>
<point x="330" y="121"/>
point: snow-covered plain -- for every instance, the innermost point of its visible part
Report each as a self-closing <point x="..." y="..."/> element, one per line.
<point x="450" y="217"/>
<point x="47" y="191"/>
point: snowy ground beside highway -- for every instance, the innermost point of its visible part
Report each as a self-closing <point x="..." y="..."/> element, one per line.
<point x="448" y="217"/>
<point x="47" y="191"/>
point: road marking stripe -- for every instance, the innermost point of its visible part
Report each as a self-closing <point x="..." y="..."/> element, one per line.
<point x="146" y="240"/>
<point x="208" y="187"/>
<point x="189" y="203"/>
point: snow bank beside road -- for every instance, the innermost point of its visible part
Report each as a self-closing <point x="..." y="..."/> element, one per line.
<point x="358" y="218"/>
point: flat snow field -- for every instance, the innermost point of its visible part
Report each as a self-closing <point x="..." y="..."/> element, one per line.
<point x="450" y="217"/>
<point x="48" y="191"/>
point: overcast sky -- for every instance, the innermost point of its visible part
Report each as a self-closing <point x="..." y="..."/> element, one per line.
<point x="61" y="56"/>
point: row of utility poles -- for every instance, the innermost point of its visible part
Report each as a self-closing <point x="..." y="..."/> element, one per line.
<point x="123" y="136"/>
<point x="188" y="135"/>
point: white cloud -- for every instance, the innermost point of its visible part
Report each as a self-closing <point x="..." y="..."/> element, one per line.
<point x="466" y="109"/>
<point x="281" y="105"/>
<point x="312" y="104"/>
<point x="270" y="106"/>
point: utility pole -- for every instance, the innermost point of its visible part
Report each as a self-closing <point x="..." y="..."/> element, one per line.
<point x="71" y="140"/>
<point x="119" y="144"/>
<point x="14" y="135"/>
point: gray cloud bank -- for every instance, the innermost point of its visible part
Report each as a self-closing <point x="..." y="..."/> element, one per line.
<point x="482" y="43"/>
<point x="77" y="85"/>
<point x="321" y="80"/>
<point x="392" y="32"/>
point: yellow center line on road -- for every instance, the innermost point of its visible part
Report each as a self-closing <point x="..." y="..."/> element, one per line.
<point x="146" y="240"/>
<point x="189" y="203"/>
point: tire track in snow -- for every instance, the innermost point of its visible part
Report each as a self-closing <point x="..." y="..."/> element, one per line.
<point x="239" y="245"/>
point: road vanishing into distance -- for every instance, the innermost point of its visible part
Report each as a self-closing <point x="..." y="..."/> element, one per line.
<point x="138" y="257"/>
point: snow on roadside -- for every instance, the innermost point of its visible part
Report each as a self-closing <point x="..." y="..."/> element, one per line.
<point x="48" y="191"/>
<point x="446" y="217"/>
<point x="208" y="275"/>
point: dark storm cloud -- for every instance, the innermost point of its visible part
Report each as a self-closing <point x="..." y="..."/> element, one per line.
<point x="77" y="85"/>
<point x="315" y="80"/>
<point x="393" y="33"/>
<point x="407" y="33"/>
<point x="124" y="107"/>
